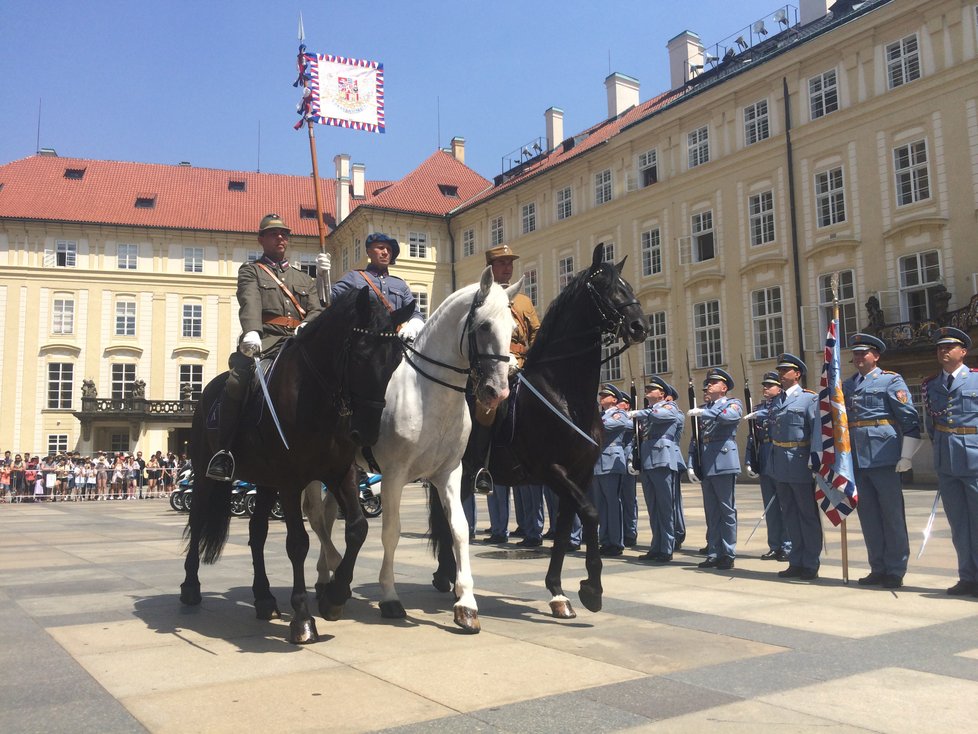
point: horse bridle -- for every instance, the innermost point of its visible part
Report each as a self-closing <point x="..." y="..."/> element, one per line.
<point x="474" y="355"/>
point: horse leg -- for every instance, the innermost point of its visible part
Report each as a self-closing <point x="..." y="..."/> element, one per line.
<point x="560" y="605"/>
<point x="466" y="609"/>
<point x="321" y="513"/>
<point x="443" y="578"/>
<point x="266" y="607"/>
<point x="390" y="604"/>
<point x="590" y="591"/>
<point x="338" y="591"/>
<point x="190" y="588"/>
<point x="302" y="628"/>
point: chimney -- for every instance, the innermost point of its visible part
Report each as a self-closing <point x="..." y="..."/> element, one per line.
<point x="622" y="93"/>
<point x="684" y="51"/>
<point x="342" y="162"/>
<point x="812" y="10"/>
<point x="458" y="149"/>
<point x="359" y="180"/>
<point x="555" y="127"/>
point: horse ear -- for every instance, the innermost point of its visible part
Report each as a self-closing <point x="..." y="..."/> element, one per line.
<point x="363" y="300"/>
<point x="402" y="314"/>
<point x="621" y="265"/>
<point x="485" y="282"/>
<point x="598" y="257"/>
<point x="512" y="290"/>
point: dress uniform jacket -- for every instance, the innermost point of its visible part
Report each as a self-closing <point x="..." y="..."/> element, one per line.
<point x="610" y="475"/>
<point x="880" y="413"/>
<point x="260" y="299"/>
<point x="759" y="439"/>
<point x="662" y="427"/>
<point x="718" y="436"/>
<point x="617" y="432"/>
<point x="525" y="327"/>
<point x="394" y="289"/>
<point x="791" y="422"/>
<point x="951" y="417"/>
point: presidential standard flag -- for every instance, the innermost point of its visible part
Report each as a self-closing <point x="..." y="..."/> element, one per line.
<point x="341" y="91"/>
<point x="835" y="488"/>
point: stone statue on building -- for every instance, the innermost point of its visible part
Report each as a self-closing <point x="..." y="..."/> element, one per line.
<point x="942" y="297"/>
<point x="88" y="389"/>
<point x="186" y="391"/>
<point x="139" y="389"/>
<point x="876" y="318"/>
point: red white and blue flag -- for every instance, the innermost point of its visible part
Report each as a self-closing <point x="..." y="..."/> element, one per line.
<point x="835" y="482"/>
<point x="341" y="91"/>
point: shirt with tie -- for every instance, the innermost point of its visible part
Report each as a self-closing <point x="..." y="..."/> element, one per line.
<point x="880" y="412"/>
<point x="951" y="418"/>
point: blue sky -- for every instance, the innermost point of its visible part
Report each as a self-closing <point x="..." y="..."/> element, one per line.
<point x="183" y="80"/>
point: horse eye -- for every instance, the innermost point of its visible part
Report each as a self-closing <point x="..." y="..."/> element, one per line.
<point x="485" y="326"/>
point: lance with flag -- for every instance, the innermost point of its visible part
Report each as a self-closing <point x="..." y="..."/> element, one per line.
<point x="835" y="484"/>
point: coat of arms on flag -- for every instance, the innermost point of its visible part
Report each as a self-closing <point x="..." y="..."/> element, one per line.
<point x="341" y="91"/>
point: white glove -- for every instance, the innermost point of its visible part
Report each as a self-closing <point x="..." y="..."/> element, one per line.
<point x="633" y="414"/>
<point x="693" y="412"/>
<point x="752" y="415"/>
<point x="409" y="331"/>
<point x="250" y="345"/>
<point x="751" y="473"/>
<point x="323" y="262"/>
<point x="908" y="449"/>
<point x="692" y="475"/>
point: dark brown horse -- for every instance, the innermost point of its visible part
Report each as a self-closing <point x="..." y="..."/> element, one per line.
<point x="328" y="389"/>
<point x="563" y="366"/>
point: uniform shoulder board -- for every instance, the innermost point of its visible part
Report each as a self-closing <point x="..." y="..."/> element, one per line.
<point x="974" y="369"/>
<point x="890" y="372"/>
<point x="810" y="392"/>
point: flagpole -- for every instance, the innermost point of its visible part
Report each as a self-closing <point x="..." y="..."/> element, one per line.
<point x="834" y="283"/>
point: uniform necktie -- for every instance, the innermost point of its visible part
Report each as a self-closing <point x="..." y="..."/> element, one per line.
<point x="950" y="379"/>
<point x="859" y="380"/>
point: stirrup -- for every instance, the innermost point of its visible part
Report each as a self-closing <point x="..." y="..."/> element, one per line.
<point x="221" y="466"/>
<point x="482" y="482"/>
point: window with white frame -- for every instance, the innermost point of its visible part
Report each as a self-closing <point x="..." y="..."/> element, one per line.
<point x="902" y="61"/>
<point x="61" y="376"/>
<point x="193" y="318"/>
<point x="254" y="255"/>
<point x="756" y="125"/>
<point x="193" y="375"/>
<point x="57" y="444"/>
<point x="912" y="177"/>
<point x="418" y="244"/>
<point x="608" y="252"/>
<point x="495" y="231"/>
<point x="529" y="217"/>
<point x="920" y="276"/>
<point x="656" y="345"/>
<point x="651" y="252"/>
<point x="768" y="321"/>
<point x="565" y="271"/>
<point x="531" y="286"/>
<point x="468" y="242"/>
<point x="118" y="442"/>
<point x="703" y="245"/>
<point x="63" y="315"/>
<point x="706" y="333"/>
<point x="193" y="259"/>
<point x="306" y="262"/>
<point x="127" y="256"/>
<point x="345" y="259"/>
<point x="602" y="187"/>
<point x="846" y="294"/>
<point x="830" y="197"/>
<point x="648" y="167"/>
<point x="123" y="376"/>
<point x="357" y="251"/>
<point x="565" y="202"/>
<point x="421" y="298"/>
<point x="761" y="209"/>
<point x="610" y="369"/>
<point x="823" y="94"/>
<point x="698" y="146"/>
<point x="125" y="317"/>
<point x="65" y="253"/>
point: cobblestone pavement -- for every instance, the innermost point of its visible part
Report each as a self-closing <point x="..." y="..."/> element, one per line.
<point x="95" y="639"/>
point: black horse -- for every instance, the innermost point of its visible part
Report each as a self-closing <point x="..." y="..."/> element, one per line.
<point x="564" y="366"/>
<point x="328" y="387"/>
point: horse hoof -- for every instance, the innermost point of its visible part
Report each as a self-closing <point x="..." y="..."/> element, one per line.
<point x="468" y="620"/>
<point x="303" y="631"/>
<point x="266" y="609"/>
<point x="441" y="583"/>
<point x="590" y="597"/>
<point x="330" y="612"/>
<point x="190" y="595"/>
<point x="392" y="610"/>
<point x="562" y="609"/>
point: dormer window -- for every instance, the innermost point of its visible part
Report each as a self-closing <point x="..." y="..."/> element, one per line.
<point x="236" y="185"/>
<point x="75" y="174"/>
<point x="145" y="202"/>
<point x="307" y="213"/>
<point x="448" y="190"/>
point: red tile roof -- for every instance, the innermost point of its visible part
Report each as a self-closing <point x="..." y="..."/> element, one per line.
<point x="185" y="197"/>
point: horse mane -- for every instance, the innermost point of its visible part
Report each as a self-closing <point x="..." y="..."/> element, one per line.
<point x="341" y="315"/>
<point x="465" y="293"/>
<point x="555" y="320"/>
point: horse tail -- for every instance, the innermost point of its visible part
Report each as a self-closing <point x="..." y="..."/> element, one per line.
<point x="210" y="517"/>
<point x="439" y="531"/>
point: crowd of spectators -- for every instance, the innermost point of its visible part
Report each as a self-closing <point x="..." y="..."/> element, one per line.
<point x="72" y="477"/>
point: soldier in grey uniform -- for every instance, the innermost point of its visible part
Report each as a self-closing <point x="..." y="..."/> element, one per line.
<point x="679" y="516"/>
<point x="885" y="434"/>
<point x="610" y="471"/>
<point x="661" y="425"/>
<point x="759" y="439"/>
<point x="274" y="300"/>
<point x="791" y="420"/>
<point x="951" y="417"/>
<point x="719" y="417"/>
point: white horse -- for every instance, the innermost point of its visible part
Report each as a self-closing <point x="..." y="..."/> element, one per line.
<point x="425" y="426"/>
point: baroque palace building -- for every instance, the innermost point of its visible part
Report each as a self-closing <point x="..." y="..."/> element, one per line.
<point x="820" y="139"/>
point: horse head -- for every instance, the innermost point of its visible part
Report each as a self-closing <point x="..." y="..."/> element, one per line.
<point x="373" y="353"/>
<point x="489" y="328"/>
<point x="621" y="313"/>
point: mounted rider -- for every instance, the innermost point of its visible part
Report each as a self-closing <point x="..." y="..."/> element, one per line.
<point x="275" y="299"/>
<point x="526" y="324"/>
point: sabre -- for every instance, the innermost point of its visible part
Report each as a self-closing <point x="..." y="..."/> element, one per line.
<point x="268" y="401"/>
<point x="930" y="524"/>
<point x="763" y="515"/>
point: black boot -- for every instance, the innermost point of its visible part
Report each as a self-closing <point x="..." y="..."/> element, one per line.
<point x="474" y="471"/>
<point x="221" y="466"/>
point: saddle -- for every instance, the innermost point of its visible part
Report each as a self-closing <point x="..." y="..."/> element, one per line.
<point x="253" y="403"/>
